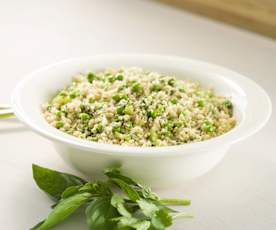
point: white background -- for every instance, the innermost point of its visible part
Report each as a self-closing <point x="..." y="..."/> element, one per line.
<point x="239" y="194"/>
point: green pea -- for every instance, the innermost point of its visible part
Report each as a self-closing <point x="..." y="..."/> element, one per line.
<point x="84" y="116"/>
<point x="112" y="79"/>
<point x="120" y="77"/>
<point x="119" y="135"/>
<point x="59" y="124"/>
<point x="129" y="110"/>
<point x="167" y="133"/>
<point x="173" y="100"/>
<point x="61" y="100"/>
<point x="58" y="113"/>
<point x="156" y="87"/>
<point x="120" y="110"/>
<point x="116" y="129"/>
<point x="74" y="94"/>
<point x="127" y="137"/>
<point x="136" y="87"/>
<point x="90" y="138"/>
<point x="116" y="97"/>
<point x="91" y="77"/>
<point x="153" y="136"/>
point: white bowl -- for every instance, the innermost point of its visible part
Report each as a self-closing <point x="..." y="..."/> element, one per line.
<point x="156" y="166"/>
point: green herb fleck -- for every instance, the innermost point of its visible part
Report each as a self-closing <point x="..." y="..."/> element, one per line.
<point x="208" y="127"/>
<point x="228" y="104"/>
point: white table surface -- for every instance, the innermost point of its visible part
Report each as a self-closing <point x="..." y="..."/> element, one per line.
<point x="239" y="194"/>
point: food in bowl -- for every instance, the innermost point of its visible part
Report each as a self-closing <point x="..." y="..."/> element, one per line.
<point x="135" y="107"/>
<point x="159" y="167"/>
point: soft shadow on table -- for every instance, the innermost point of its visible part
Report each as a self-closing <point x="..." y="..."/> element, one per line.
<point x="13" y="130"/>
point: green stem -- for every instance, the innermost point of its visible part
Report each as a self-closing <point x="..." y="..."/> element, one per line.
<point x="7" y="115"/>
<point x="6" y="111"/>
<point x="182" y="215"/>
<point x="174" y="201"/>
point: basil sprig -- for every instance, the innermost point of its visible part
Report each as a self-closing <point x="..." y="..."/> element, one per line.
<point x="117" y="203"/>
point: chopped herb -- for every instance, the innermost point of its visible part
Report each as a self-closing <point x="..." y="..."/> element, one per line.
<point x="228" y="104"/>
<point x="121" y="110"/>
<point x="208" y="127"/>
<point x="201" y="103"/>
<point x="152" y="114"/>
<point x="171" y="82"/>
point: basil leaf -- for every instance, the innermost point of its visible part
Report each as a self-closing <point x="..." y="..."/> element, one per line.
<point x="115" y="173"/>
<point x="118" y="202"/>
<point x="161" y="219"/>
<point x="99" y="214"/>
<point x="63" y="209"/>
<point x="53" y="182"/>
<point x="131" y="193"/>
<point x="147" y="207"/>
<point x="98" y="188"/>
<point x="142" y="190"/>
<point x="148" y="194"/>
<point x="133" y="223"/>
<point x="70" y="191"/>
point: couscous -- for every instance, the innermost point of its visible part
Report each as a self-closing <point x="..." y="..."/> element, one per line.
<point x="135" y="107"/>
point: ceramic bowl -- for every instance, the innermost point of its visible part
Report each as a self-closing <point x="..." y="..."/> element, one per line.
<point x="156" y="166"/>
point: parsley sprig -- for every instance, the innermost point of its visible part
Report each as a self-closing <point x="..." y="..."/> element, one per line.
<point x="117" y="203"/>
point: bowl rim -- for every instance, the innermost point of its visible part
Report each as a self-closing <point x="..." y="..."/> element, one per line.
<point x="109" y="149"/>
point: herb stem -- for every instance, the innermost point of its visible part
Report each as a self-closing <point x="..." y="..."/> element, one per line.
<point x="182" y="215"/>
<point x="6" y="112"/>
<point x="174" y="201"/>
